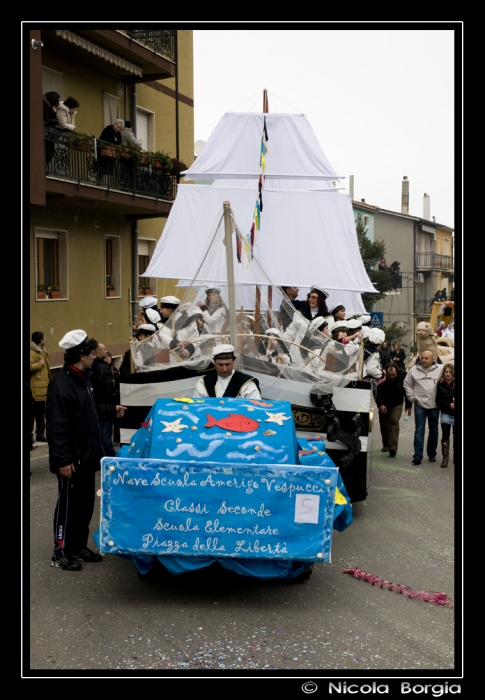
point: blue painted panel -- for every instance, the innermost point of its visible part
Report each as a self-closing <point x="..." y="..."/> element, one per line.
<point x="217" y="430"/>
<point x="161" y="507"/>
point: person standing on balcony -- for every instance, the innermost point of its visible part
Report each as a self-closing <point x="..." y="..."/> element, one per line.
<point x="112" y="132"/>
<point x="127" y="135"/>
<point x="66" y="114"/>
<point x="50" y="103"/>
<point x="394" y="269"/>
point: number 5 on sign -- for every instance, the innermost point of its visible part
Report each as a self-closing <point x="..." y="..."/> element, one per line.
<point x="306" y="508"/>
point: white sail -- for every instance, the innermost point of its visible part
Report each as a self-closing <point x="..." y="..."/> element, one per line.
<point x="232" y="151"/>
<point x="306" y="237"/>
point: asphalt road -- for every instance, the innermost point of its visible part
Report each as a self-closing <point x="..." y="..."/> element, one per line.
<point x="211" y="622"/>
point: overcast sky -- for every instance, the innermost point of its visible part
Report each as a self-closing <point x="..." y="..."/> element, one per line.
<point x="381" y="102"/>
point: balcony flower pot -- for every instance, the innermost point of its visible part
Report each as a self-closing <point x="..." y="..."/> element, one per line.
<point x="41" y="294"/>
<point x="108" y="151"/>
<point x="144" y="160"/>
<point x="111" y="293"/>
<point x="81" y="142"/>
<point x="144" y="292"/>
<point x="55" y="294"/>
<point x="156" y="165"/>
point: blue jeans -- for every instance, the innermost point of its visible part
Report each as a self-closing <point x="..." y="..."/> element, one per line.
<point x="420" y="416"/>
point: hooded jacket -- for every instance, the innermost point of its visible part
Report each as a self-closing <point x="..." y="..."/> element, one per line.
<point x="40" y="375"/>
<point x="64" y="118"/>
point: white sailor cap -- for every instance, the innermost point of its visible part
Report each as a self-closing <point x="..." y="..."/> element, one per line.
<point x="353" y="324"/>
<point x="212" y="290"/>
<point x="340" y="326"/>
<point x="274" y="331"/>
<point x="376" y="336"/>
<point x="169" y="302"/>
<point x="148" y="302"/>
<point x="364" y="319"/>
<point x="318" y="324"/>
<point x="73" y="339"/>
<point x="153" y="316"/>
<point x="146" y="329"/>
<point x="320" y="291"/>
<point x="223" y="352"/>
<point x="337" y="307"/>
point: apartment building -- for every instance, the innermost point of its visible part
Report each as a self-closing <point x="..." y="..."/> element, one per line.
<point x="95" y="220"/>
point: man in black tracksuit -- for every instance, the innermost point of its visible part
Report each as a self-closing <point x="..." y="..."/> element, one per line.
<point x="75" y="449"/>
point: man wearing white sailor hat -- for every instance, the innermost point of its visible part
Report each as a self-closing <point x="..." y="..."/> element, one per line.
<point x="224" y="380"/>
<point x="168" y="305"/>
<point x="75" y="449"/>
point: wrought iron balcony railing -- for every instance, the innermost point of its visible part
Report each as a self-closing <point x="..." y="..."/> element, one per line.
<point x="85" y="164"/>
<point x="161" y="41"/>
<point x="433" y="261"/>
<point x="423" y="308"/>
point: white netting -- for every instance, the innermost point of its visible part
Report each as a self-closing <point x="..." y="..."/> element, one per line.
<point x="279" y="342"/>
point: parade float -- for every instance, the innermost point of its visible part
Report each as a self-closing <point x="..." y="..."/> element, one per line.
<point x="259" y="209"/>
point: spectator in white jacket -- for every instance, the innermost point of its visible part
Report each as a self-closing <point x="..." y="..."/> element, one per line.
<point x="127" y="135"/>
<point x="66" y="114"/>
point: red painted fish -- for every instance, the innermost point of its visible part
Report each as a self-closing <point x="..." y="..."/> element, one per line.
<point x="260" y="403"/>
<point x="305" y="452"/>
<point x="235" y="422"/>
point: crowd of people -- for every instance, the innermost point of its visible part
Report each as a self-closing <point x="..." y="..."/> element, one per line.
<point x="77" y="410"/>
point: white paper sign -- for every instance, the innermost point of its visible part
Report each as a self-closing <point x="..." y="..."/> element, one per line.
<point x="306" y="508"/>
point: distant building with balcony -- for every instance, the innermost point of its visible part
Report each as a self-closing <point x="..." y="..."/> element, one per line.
<point x="425" y="251"/>
<point x="95" y="220"/>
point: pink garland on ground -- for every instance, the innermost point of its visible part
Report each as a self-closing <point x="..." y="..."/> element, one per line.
<point x="426" y="596"/>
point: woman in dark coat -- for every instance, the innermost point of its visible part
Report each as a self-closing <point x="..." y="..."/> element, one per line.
<point x="445" y="400"/>
<point x="398" y="356"/>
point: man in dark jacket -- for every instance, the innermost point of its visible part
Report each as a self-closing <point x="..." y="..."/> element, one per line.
<point x="389" y="398"/>
<point x="104" y="387"/>
<point x="75" y="449"/>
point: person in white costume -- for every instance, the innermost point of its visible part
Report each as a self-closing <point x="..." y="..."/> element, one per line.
<point x="225" y="380"/>
<point x="273" y="349"/>
<point x="214" y="310"/>
<point x="306" y="321"/>
<point x="182" y="345"/>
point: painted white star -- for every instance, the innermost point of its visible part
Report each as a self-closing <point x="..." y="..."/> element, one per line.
<point x="175" y="427"/>
<point x="276" y="418"/>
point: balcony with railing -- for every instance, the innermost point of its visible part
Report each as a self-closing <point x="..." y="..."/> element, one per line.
<point x="433" y="261"/>
<point x="96" y="164"/>
<point x="423" y="308"/>
<point x="161" y="41"/>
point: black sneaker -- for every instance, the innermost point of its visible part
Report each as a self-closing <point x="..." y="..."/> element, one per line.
<point x="416" y="461"/>
<point x="86" y="554"/>
<point x="392" y="453"/>
<point x="432" y="459"/>
<point x="41" y="438"/>
<point x="385" y="449"/>
<point x="65" y="563"/>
